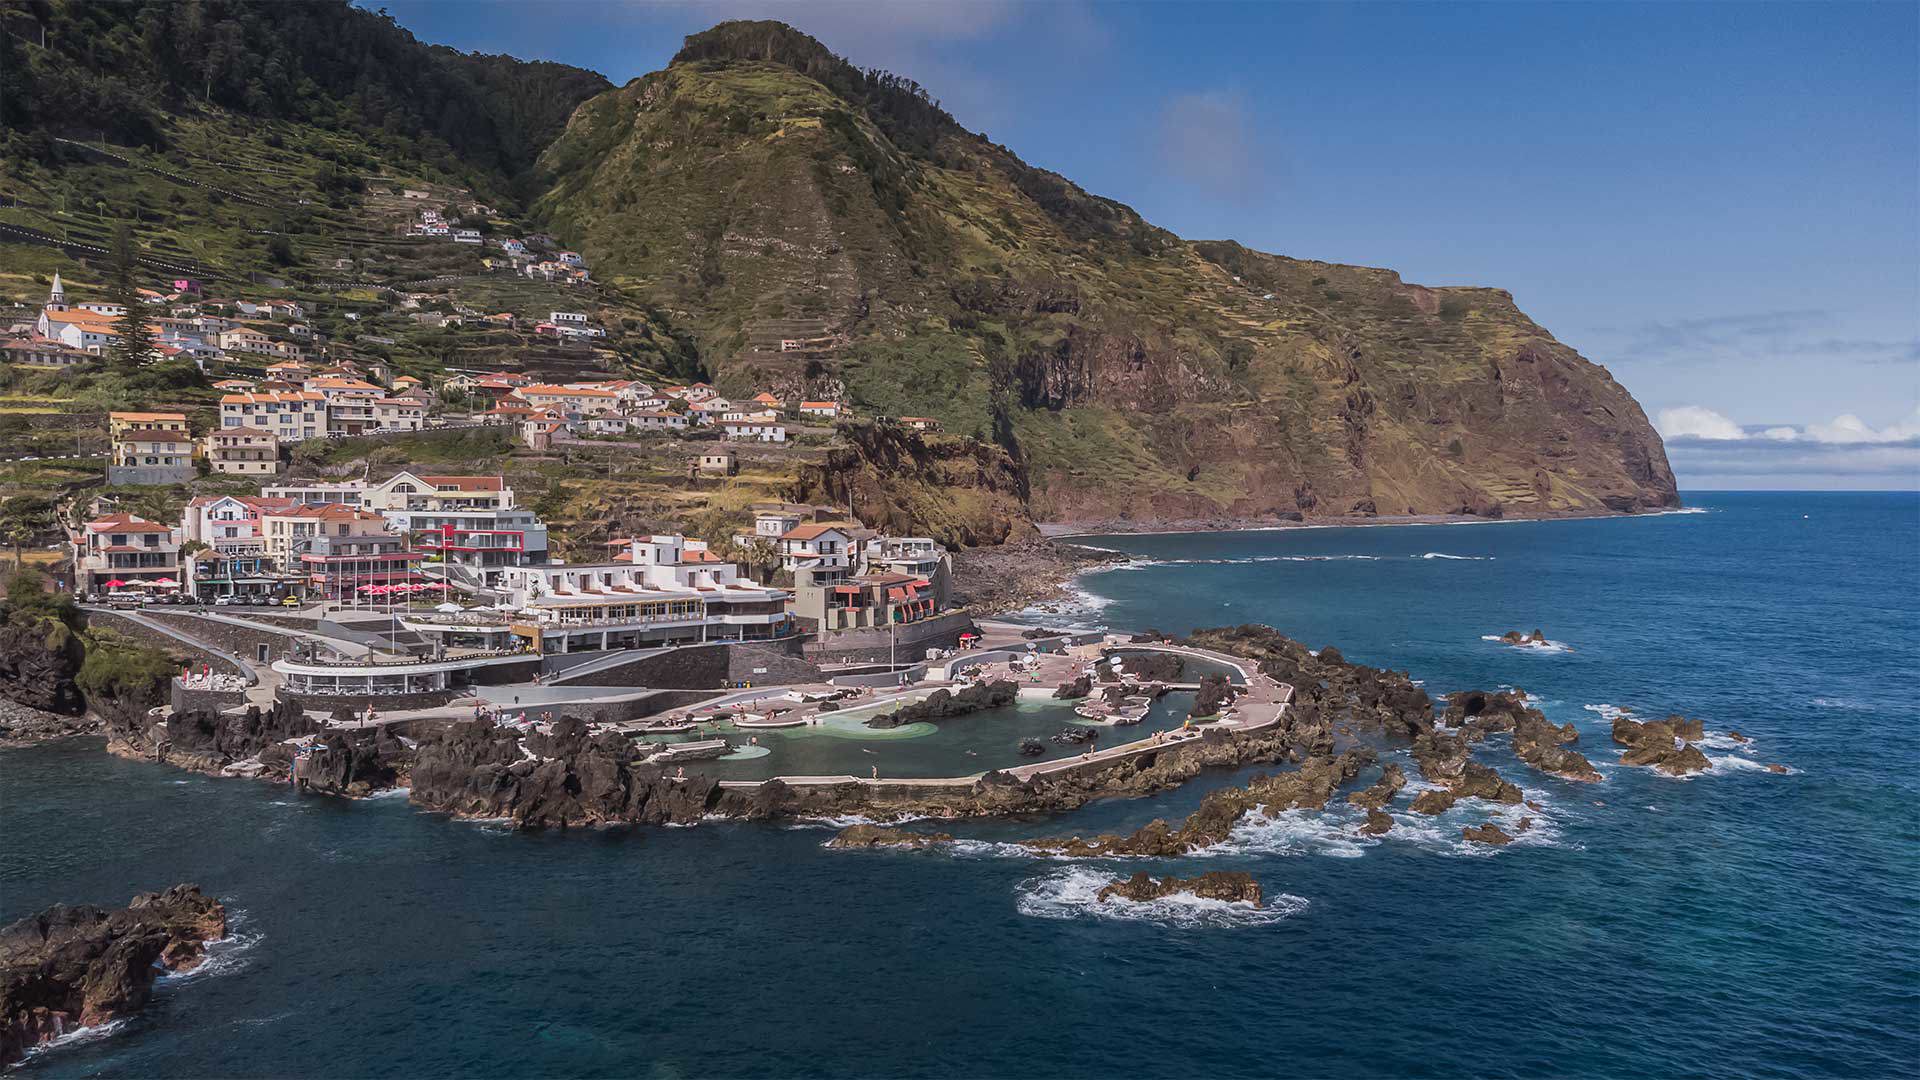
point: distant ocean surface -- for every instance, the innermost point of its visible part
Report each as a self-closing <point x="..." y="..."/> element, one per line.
<point x="1737" y="924"/>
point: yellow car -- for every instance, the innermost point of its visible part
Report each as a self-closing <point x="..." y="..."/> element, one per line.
<point x="291" y="601"/>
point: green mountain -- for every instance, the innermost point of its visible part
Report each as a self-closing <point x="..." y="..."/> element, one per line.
<point x="820" y="229"/>
<point x="120" y="71"/>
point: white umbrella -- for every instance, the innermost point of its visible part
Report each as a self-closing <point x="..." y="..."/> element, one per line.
<point x="450" y="609"/>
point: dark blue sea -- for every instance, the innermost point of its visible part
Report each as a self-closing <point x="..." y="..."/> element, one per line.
<point x="1736" y="924"/>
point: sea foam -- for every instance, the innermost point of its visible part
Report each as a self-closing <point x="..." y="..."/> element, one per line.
<point x="1548" y="646"/>
<point x="1072" y="894"/>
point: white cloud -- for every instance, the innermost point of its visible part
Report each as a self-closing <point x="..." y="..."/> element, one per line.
<point x="1848" y="428"/>
<point x="1698" y="422"/>
<point x="1845" y="428"/>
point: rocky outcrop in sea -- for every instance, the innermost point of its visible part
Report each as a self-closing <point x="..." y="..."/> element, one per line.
<point x="1663" y="745"/>
<point x="1230" y="886"/>
<point x="82" y="966"/>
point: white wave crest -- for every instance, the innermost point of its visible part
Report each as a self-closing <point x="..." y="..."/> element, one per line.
<point x="75" y="1037"/>
<point x="1332" y="833"/>
<point x="1609" y="713"/>
<point x="1072" y="894"/>
<point x="842" y="821"/>
<point x="1720" y="740"/>
<point x="1456" y="558"/>
<point x="1548" y="646"/>
<point x="1733" y="763"/>
<point x="229" y="954"/>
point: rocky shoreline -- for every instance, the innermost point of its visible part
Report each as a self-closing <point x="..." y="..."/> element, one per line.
<point x="24" y="725"/>
<point x="1011" y="577"/>
<point x="1341" y="714"/>
<point x="77" y="967"/>
<point x="1126" y="526"/>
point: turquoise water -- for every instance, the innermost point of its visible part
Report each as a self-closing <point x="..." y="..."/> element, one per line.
<point x="1737" y="924"/>
<point x="976" y="742"/>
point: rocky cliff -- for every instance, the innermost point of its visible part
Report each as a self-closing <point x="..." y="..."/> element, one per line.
<point x="825" y="230"/>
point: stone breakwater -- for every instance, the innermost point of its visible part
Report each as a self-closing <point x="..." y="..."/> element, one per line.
<point x="69" y="968"/>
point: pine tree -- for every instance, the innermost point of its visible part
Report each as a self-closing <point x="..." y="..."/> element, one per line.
<point x="136" y="338"/>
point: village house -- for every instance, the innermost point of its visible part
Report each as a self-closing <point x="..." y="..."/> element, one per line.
<point x="863" y="602"/>
<point x="235" y="558"/>
<point x="43" y="353"/>
<point x="825" y="549"/>
<point x="646" y="420"/>
<point x="828" y="410"/>
<point x="151" y="456"/>
<point x="340" y="550"/>
<point x="606" y="425"/>
<point x="538" y="432"/>
<point x="119" y="423"/>
<point x="291" y="415"/>
<point x="121" y="549"/>
<point x="586" y="399"/>
<point x="754" y="431"/>
<point x="243" y="451"/>
<point x="920" y="423"/>
<point x="716" y="463"/>
<point x="399" y="414"/>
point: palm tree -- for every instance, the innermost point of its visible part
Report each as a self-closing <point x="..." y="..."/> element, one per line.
<point x="23" y="518"/>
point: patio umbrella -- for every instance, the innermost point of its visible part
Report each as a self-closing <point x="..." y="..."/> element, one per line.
<point x="115" y="583"/>
<point x="450" y="609"/>
<point x="165" y="581"/>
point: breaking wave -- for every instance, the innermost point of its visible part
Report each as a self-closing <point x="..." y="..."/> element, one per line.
<point x="1733" y="763"/>
<point x="1072" y="894"/>
<point x="1609" y="713"/>
<point x="75" y="1037"/>
<point x="842" y="821"/>
<point x="226" y="955"/>
<point x="1296" y="832"/>
<point x="1548" y="646"/>
<point x="1456" y="558"/>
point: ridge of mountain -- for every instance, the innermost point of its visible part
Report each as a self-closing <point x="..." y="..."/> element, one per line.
<point x="825" y="230"/>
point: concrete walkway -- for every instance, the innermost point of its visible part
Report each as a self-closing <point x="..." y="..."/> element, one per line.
<point x="177" y="634"/>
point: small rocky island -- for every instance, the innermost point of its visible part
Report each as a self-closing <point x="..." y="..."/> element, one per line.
<point x="73" y="967"/>
<point x="1230" y="886"/>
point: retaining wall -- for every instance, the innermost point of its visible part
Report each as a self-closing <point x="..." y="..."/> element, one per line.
<point x="909" y="642"/>
<point x="710" y="667"/>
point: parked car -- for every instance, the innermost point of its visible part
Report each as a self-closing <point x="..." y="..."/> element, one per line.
<point x="291" y="601"/>
<point x="225" y="601"/>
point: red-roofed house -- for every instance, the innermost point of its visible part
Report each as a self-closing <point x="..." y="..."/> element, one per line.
<point x="124" y="548"/>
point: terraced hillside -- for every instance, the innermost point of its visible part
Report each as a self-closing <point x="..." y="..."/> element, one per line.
<point x="1132" y="375"/>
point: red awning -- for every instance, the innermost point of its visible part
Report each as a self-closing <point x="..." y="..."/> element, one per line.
<point x="847" y="590"/>
<point x="896" y="594"/>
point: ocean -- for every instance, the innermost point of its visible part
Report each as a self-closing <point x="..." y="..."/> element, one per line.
<point x="1736" y="924"/>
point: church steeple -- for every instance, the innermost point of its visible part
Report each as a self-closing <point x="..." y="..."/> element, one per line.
<point x="57" y="298"/>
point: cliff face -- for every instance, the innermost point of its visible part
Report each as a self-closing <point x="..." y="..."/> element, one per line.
<point x="961" y="492"/>
<point x="824" y="230"/>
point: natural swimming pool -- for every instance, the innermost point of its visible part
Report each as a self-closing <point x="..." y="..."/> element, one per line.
<point x="989" y="739"/>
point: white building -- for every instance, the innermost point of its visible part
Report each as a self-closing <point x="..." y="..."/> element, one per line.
<point x="656" y="590"/>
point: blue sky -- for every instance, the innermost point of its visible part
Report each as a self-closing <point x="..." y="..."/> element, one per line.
<point x="1719" y="202"/>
